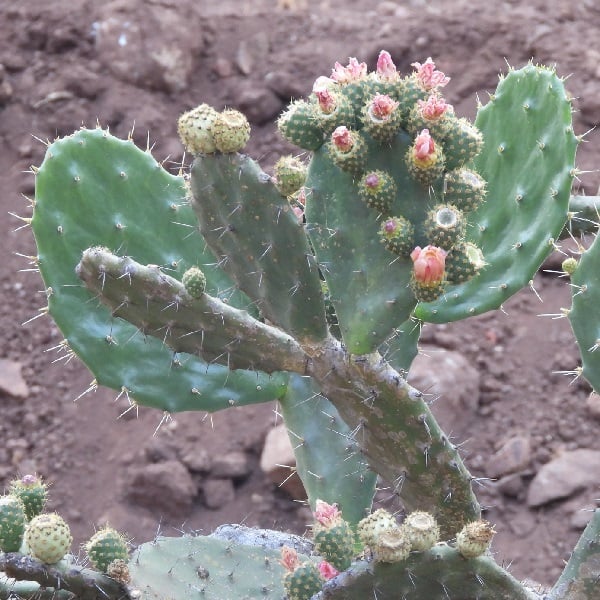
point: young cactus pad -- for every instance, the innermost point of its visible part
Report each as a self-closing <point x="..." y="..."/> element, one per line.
<point x="125" y="194"/>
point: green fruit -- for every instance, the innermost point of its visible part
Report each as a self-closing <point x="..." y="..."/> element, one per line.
<point x="421" y="530"/>
<point x="462" y="142"/>
<point x="391" y="546"/>
<point x="463" y="262"/>
<point x="444" y="226"/>
<point x="194" y="281"/>
<point x="378" y="190"/>
<point x="105" y="547"/>
<point x="194" y="128"/>
<point x="397" y="235"/>
<point x="33" y="493"/>
<point x="304" y="582"/>
<point x="12" y="523"/>
<point x="335" y="544"/>
<point x="290" y="175"/>
<point x="48" y="537"/>
<point x="465" y="189"/>
<point x="230" y="131"/>
<point x="299" y="125"/>
<point x="474" y="538"/>
<point x="372" y="527"/>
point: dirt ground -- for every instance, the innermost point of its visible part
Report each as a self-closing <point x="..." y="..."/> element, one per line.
<point x="139" y="64"/>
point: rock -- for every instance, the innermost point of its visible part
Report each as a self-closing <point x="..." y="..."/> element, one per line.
<point x="589" y="103"/>
<point x="218" y="492"/>
<point x="150" y="45"/>
<point x="510" y="485"/>
<point x="514" y="455"/>
<point x="278" y="461"/>
<point x="593" y="405"/>
<point x="197" y="460"/>
<point x="260" y="105"/>
<point x="166" y="487"/>
<point x="580" y="518"/>
<point x="449" y="375"/>
<point x="285" y="84"/>
<point x="564" y="475"/>
<point x="159" y="450"/>
<point x="11" y="379"/>
<point x="234" y="465"/>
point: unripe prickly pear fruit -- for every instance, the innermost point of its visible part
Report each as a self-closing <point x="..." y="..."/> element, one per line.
<point x="463" y="262"/>
<point x="569" y="265"/>
<point x="397" y="235"/>
<point x="444" y="226"/>
<point x="333" y="537"/>
<point x="429" y="277"/>
<point x="33" y="492"/>
<point x="48" y="537"/>
<point x="371" y="527"/>
<point x="474" y="538"/>
<point x="194" y="128"/>
<point x="194" y="282"/>
<point x="230" y="131"/>
<point x="431" y="114"/>
<point x="289" y="174"/>
<point x="425" y="159"/>
<point x="391" y="546"/>
<point x="462" y="142"/>
<point x="464" y="188"/>
<point x="298" y="125"/>
<point x="348" y="150"/>
<point x="303" y="580"/>
<point x="332" y="108"/>
<point x="118" y="570"/>
<point x="104" y="547"/>
<point x="421" y="530"/>
<point x="382" y="118"/>
<point x="378" y="190"/>
<point x="12" y="523"/>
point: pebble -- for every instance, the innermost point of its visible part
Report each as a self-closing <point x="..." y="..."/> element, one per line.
<point x="11" y="379"/>
<point x="260" y="105"/>
<point x="277" y="461"/>
<point x="197" y="460"/>
<point x="593" y="405"/>
<point x="514" y="455"/>
<point x="166" y="487"/>
<point x="451" y="376"/>
<point x="218" y="492"/>
<point x="232" y="465"/>
<point x="564" y="475"/>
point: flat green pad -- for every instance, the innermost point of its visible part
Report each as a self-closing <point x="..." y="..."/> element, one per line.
<point x="585" y="312"/>
<point x="94" y="189"/>
<point x="369" y="285"/>
<point x="528" y="162"/>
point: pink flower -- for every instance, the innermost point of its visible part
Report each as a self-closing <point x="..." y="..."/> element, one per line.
<point x="289" y="558"/>
<point x="429" y="264"/>
<point x="352" y="72"/>
<point x="372" y="180"/>
<point x="342" y="138"/>
<point x="429" y="77"/>
<point x="386" y="69"/>
<point x="327" y="570"/>
<point x="326" y="514"/>
<point x="424" y="147"/>
<point x="382" y="106"/>
<point x="434" y="107"/>
<point x="326" y="100"/>
<point x="390" y="226"/>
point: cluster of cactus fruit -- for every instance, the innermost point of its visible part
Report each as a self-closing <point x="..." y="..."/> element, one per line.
<point x="225" y="286"/>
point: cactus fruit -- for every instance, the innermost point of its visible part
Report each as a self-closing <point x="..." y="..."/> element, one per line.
<point x="425" y="159"/>
<point x="290" y="174"/>
<point x="230" y="131"/>
<point x="474" y="538"/>
<point x="397" y="235"/>
<point x="429" y="275"/>
<point x="48" y="537"/>
<point x="104" y="547"/>
<point x="194" y="282"/>
<point x="32" y="491"/>
<point x="298" y="125"/>
<point x="194" y="128"/>
<point x="374" y="525"/>
<point x="118" y="569"/>
<point x="303" y="582"/>
<point x="12" y="523"/>
<point x="378" y="190"/>
<point x="333" y="536"/>
<point x="421" y="530"/>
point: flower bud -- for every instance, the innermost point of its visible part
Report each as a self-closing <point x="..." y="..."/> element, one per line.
<point x="429" y="264"/>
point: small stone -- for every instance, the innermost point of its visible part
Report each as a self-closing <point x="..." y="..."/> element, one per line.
<point x="11" y="379"/>
<point x="510" y="485"/>
<point x="158" y="450"/>
<point x="222" y="67"/>
<point x="260" y="105"/>
<point x="514" y="455"/>
<point x="218" y="492"/>
<point x="278" y="462"/>
<point x="285" y="85"/>
<point x="165" y="487"/>
<point x="564" y="475"/>
<point x="593" y="405"/>
<point x="452" y="377"/>
<point x="234" y="465"/>
<point x="580" y="518"/>
<point x="197" y="460"/>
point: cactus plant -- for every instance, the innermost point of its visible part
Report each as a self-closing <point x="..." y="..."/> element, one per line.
<point x="310" y="288"/>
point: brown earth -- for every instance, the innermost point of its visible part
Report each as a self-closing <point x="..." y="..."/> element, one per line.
<point x="134" y="63"/>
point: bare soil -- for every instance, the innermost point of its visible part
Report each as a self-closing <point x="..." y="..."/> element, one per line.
<point x="138" y="65"/>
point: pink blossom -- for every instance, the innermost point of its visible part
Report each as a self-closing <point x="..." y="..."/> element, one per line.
<point x="342" y="138"/>
<point x="289" y="558"/>
<point x="424" y="147"/>
<point x="372" y="180"/>
<point x="326" y="514"/>
<point x="29" y="480"/>
<point x="434" y="107"/>
<point x="386" y="69"/>
<point x="327" y="570"/>
<point x="390" y="226"/>
<point x="429" y="77"/>
<point x="382" y="106"/>
<point x="352" y="72"/>
<point x="429" y="264"/>
<point x="326" y="100"/>
<point x="299" y="212"/>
